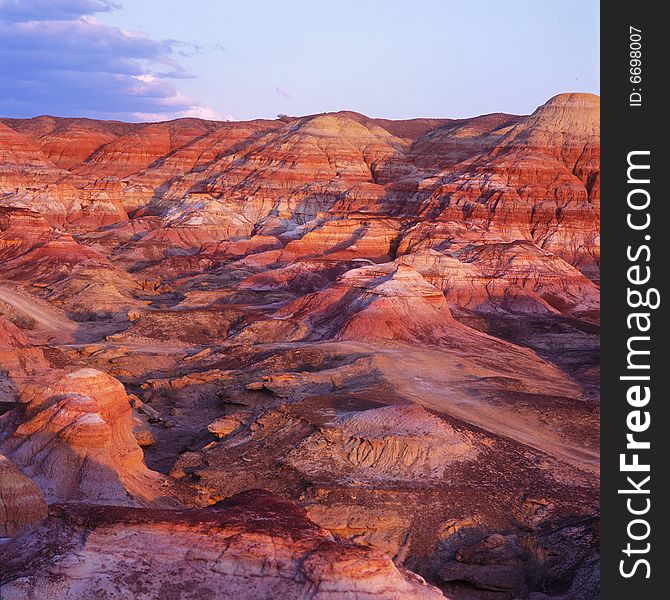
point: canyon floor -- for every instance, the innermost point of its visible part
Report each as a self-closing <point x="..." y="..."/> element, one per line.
<point x="323" y="357"/>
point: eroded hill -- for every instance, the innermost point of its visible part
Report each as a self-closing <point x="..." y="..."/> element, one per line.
<point x="391" y="327"/>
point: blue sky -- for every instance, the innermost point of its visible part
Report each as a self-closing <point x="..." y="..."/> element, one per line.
<point x="161" y="59"/>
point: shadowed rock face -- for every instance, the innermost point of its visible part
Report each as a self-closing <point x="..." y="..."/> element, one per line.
<point x="390" y="325"/>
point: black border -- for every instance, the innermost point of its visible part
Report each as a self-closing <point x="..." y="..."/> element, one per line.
<point x="624" y="129"/>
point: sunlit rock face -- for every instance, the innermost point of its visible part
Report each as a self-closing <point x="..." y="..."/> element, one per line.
<point x="75" y="441"/>
<point x="530" y="178"/>
<point x="22" y="504"/>
<point x="32" y="249"/>
<point x="251" y="546"/>
<point x="29" y="179"/>
<point x="539" y="182"/>
<point x="392" y="326"/>
<point x="24" y="365"/>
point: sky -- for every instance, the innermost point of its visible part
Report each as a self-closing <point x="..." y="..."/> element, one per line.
<point x="151" y="60"/>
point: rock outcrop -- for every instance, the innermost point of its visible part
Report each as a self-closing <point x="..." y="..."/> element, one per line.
<point x="75" y="441"/>
<point x="392" y="443"/>
<point x="540" y="183"/>
<point x="252" y="546"/>
<point x="22" y="504"/>
<point x="393" y="324"/>
<point x="21" y="363"/>
<point x="33" y="250"/>
<point x="375" y="304"/>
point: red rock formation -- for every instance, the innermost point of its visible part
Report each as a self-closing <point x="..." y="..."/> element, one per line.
<point x="29" y="180"/>
<point x="21" y="363"/>
<point x="22" y="504"/>
<point x="20" y="155"/>
<point x="67" y="142"/>
<point x="393" y="323"/>
<point x="460" y="140"/>
<point x="75" y="441"/>
<point x="540" y="183"/>
<point x="197" y="154"/>
<point x="304" y="165"/>
<point x="32" y="250"/>
<point x="515" y="277"/>
<point x="252" y="546"/>
<point x="11" y="338"/>
<point x="25" y="172"/>
<point x="46" y="128"/>
<point x="279" y="178"/>
<point x="80" y="277"/>
<point x="374" y="305"/>
<point x="138" y="149"/>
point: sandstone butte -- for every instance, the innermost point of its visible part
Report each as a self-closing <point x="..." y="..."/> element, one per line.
<point x="326" y="357"/>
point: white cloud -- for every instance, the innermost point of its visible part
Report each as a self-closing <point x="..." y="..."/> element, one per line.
<point x="205" y="112"/>
<point x="196" y="112"/>
<point x="59" y="59"/>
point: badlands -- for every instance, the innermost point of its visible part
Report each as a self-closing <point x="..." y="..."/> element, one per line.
<point x="326" y="357"/>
